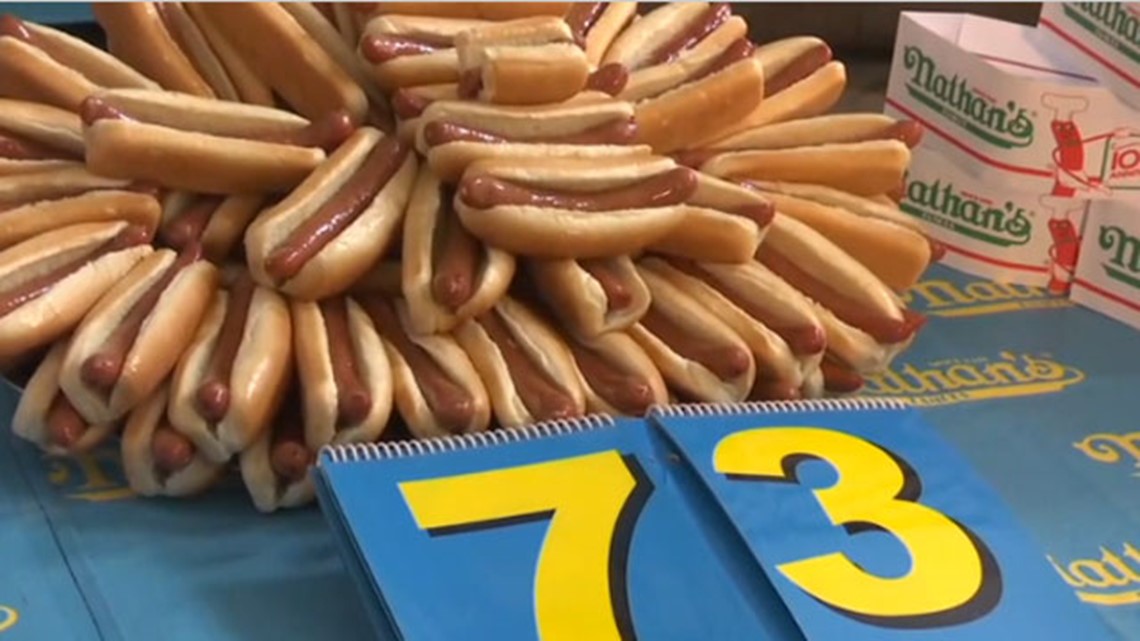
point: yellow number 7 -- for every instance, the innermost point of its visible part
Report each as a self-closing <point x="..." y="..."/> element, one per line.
<point x="592" y="502"/>
<point x="952" y="578"/>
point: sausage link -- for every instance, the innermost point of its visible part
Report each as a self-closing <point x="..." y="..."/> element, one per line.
<point x="384" y="48"/>
<point x="669" y="188"/>
<point x="353" y="400"/>
<point x="725" y="361"/>
<point x="838" y="378"/>
<point x="187" y="228"/>
<point x="796" y="70"/>
<point x="740" y="49"/>
<point x="213" y="397"/>
<point x="614" y="132"/>
<point x="627" y="392"/>
<point x="706" y="23"/>
<point x="618" y="294"/>
<point x="581" y="17"/>
<point x="542" y="396"/>
<point x="407" y="104"/>
<point x="772" y="390"/>
<point x="455" y="257"/>
<point x="290" y="459"/>
<point x="609" y="79"/>
<point x="171" y="451"/>
<point x="64" y="424"/>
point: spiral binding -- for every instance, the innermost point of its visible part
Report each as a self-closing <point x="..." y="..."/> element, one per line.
<point x="359" y="452"/>
<point x="775" y="407"/>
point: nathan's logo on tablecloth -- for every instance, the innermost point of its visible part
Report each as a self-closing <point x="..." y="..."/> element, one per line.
<point x="1121" y="261"/>
<point x="1007" y="125"/>
<point x="1113" y="23"/>
<point x="9" y="617"/>
<point x="940" y="297"/>
<point x="1113" y="449"/>
<point x="998" y="222"/>
<point x="1112" y="577"/>
<point x="95" y="476"/>
<point x="963" y="380"/>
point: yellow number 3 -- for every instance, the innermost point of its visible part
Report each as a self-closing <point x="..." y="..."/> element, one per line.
<point x="592" y="502"/>
<point x="952" y="577"/>
<point x="8" y="617"/>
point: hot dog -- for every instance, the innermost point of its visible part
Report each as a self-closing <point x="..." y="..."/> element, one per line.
<point x="49" y="282"/>
<point x="409" y="104"/>
<point x="616" y="374"/>
<point x="53" y="184"/>
<point x="866" y="323"/>
<point x="779" y="326"/>
<point x="35" y="137"/>
<point x="385" y="278"/>
<point x="157" y="460"/>
<point x="279" y="49"/>
<point x="724" y="222"/>
<point x="327" y="233"/>
<point x="217" y="223"/>
<point x="412" y="50"/>
<point x="824" y="130"/>
<point x="41" y="64"/>
<point x="454" y="134"/>
<point x="275" y="468"/>
<point x="574" y="208"/>
<point x="893" y="250"/>
<point x="45" y="417"/>
<point x="596" y="25"/>
<point x="228" y="384"/>
<point x="448" y="274"/>
<point x="161" y="40"/>
<point x="529" y="61"/>
<point x="801" y="81"/>
<point x="132" y="339"/>
<point x="203" y="145"/>
<point x="345" y="378"/>
<point x="527" y="368"/>
<point x="470" y="10"/>
<point x="22" y="222"/>
<point x="240" y="81"/>
<point x="437" y="390"/>
<point x="592" y="296"/>
<point x="700" y="357"/>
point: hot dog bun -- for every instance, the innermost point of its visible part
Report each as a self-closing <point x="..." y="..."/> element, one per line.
<point x="574" y="291"/>
<point x="529" y="61"/>
<point x="469" y="411"/>
<point x="438" y="66"/>
<point x="220" y="234"/>
<point x="633" y="379"/>
<point x="552" y="232"/>
<point x="258" y="370"/>
<point x="541" y="346"/>
<point x="469" y="10"/>
<point x="61" y="182"/>
<point x="318" y="330"/>
<point x="347" y="257"/>
<point x="28" y="73"/>
<point x="262" y="468"/>
<point x="138" y="35"/>
<point x="823" y="130"/>
<point x="166" y="330"/>
<point x="43" y="124"/>
<point x="24" y="222"/>
<point x="429" y="210"/>
<point x="250" y="87"/>
<point x="613" y="20"/>
<point x="141" y="466"/>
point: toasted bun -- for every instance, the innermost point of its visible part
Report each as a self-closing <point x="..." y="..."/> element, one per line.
<point x="621" y="351"/>
<point x="262" y="483"/>
<point x="260" y="372"/>
<point x="699" y="110"/>
<point x="634" y="47"/>
<point x="137" y="35"/>
<point x="690" y="377"/>
<point x="657" y="79"/>
<point x="278" y="49"/>
<point x="469" y="10"/>
<point x="578" y="299"/>
<point x="710" y="235"/>
<point x="138" y="460"/>
<point x="422" y="219"/>
<point x="897" y="255"/>
<point x="864" y="168"/>
<point x="52" y="126"/>
<point x="194" y="161"/>
<point x="557" y="233"/>
<point x="164" y="335"/>
<point x="543" y="346"/>
<point x="21" y="223"/>
<point x="450" y="357"/>
<point x="348" y="256"/>
<point x="30" y="421"/>
<point x="250" y="87"/>
<point x="318" y="385"/>
<point x="28" y="73"/>
<point x="774" y="359"/>
<point x="49" y="317"/>
<point x="615" y="16"/>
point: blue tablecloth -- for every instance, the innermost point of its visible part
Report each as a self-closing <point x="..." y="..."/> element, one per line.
<point x="1040" y="395"/>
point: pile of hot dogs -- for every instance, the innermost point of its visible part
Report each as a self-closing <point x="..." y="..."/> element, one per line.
<point x="251" y="230"/>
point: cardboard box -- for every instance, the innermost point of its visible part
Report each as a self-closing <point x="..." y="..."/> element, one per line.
<point x="1108" y="272"/>
<point x="999" y="102"/>
<point x="1104" y="37"/>
<point x="993" y="231"/>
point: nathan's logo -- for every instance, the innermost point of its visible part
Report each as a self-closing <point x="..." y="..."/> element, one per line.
<point x="1112" y="578"/>
<point x="9" y="617"/>
<point x="1003" y="224"/>
<point x="95" y="476"/>
<point x="1007" y="126"/>
<point x="943" y="298"/>
<point x="1112" y="22"/>
<point x="1123" y="260"/>
<point x="1120" y="168"/>
<point x="963" y="380"/>
<point x="1112" y="449"/>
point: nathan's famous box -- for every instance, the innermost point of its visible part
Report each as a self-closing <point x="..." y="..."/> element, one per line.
<point x="1108" y="272"/>
<point x="991" y="230"/>
<point x="1103" y="37"/>
<point x="999" y="102"/>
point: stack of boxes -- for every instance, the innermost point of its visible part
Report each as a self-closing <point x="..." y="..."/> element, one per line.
<point x="1030" y="169"/>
